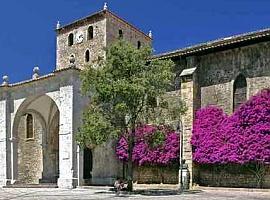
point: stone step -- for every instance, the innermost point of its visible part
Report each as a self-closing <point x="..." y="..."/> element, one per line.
<point x="47" y="185"/>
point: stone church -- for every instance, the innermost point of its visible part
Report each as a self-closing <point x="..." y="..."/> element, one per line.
<point x="40" y="117"/>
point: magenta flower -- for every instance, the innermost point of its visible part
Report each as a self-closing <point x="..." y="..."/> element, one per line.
<point x="144" y="153"/>
<point x="242" y="138"/>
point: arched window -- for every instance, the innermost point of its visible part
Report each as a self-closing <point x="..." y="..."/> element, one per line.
<point x="139" y="44"/>
<point x="90" y="33"/>
<point x="120" y="34"/>
<point x="87" y="56"/>
<point x="239" y="91"/>
<point x="29" y="126"/>
<point x="70" y="39"/>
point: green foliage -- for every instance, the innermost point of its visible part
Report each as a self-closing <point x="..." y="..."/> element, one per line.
<point x="121" y="86"/>
<point x="96" y="128"/>
<point x="157" y="139"/>
<point x="168" y="109"/>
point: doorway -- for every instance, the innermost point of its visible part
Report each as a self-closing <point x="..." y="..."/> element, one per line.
<point x="87" y="164"/>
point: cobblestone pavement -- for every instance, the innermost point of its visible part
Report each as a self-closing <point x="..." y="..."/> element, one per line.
<point x="82" y="194"/>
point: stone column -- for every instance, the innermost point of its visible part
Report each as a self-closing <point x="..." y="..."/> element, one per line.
<point x="67" y="149"/>
<point x="189" y="95"/>
<point x="4" y="138"/>
<point x="80" y="166"/>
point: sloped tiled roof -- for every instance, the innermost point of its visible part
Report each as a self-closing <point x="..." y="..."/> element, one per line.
<point x="219" y="43"/>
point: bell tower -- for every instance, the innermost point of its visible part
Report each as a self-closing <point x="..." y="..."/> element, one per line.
<point x="86" y="39"/>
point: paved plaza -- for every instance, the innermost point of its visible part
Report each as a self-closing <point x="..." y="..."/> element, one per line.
<point x="59" y="194"/>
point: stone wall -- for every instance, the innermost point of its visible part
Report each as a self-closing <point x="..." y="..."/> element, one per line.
<point x="96" y="46"/>
<point x="106" y="166"/>
<point x="30" y="159"/>
<point x="51" y="151"/>
<point x="106" y="31"/>
<point x="130" y="33"/>
<point x="218" y="71"/>
<point x="212" y="83"/>
<point x="156" y="175"/>
<point x="258" y="83"/>
<point x="232" y="176"/>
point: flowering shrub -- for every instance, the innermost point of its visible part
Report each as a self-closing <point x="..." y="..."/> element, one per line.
<point x="154" y="145"/>
<point x="206" y="138"/>
<point x="242" y="138"/>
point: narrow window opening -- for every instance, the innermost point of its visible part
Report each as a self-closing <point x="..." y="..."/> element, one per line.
<point x="90" y="33"/>
<point x="120" y="34"/>
<point x="239" y="91"/>
<point x="70" y="39"/>
<point x="177" y="82"/>
<point x="87" y="56"/>
<point x="29" y="126"/>
<point x="139" y="44"/>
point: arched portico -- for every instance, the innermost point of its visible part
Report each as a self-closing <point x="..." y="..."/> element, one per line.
<point x="36" y="159"/>
<point x="55" y="104"/>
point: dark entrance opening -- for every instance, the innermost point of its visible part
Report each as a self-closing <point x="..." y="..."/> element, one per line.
<point x="87" y="163"/>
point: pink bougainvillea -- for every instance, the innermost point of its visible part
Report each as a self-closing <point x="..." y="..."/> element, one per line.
<point x="242" y="138"/>
<point x="145" y="152"/>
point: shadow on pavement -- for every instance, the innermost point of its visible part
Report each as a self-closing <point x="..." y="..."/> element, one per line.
<point x="151" y="192"/>
<point x="162" y="192"/>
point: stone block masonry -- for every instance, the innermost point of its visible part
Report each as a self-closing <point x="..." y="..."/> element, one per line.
<point x="106" y="28"/>
<point x="3" y="142"/>
<point x="213" y="84"/>
<point x="231" y="176"/>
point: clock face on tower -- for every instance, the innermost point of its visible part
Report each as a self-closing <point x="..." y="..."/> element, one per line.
<point x="79" y="37"/>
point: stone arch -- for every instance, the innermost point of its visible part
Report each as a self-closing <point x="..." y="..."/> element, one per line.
<point x="31" y="156"/>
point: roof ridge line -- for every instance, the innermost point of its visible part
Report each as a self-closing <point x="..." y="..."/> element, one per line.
<point x="215" y="43"/>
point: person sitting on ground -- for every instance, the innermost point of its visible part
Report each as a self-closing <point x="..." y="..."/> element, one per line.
<point x="119" y="185"/>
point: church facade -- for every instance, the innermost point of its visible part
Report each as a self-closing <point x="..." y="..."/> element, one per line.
<point x="225" y="73"/>
<point x="40" y="117"/>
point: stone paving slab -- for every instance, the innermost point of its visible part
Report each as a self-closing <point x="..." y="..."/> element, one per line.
<point x="231" y="189"/>
<point x="83" y="194"/>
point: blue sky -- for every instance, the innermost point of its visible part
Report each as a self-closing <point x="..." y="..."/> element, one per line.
<point x="27" y="36"/>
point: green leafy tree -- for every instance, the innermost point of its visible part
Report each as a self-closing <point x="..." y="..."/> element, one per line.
<point x="120" y="89"/>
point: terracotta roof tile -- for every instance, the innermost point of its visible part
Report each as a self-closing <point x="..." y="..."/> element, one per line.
<point x="223" y="42"/>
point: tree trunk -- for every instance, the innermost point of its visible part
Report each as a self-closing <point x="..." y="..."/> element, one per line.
<point x="259" y="172"/>
<point x="130" y="164"/>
